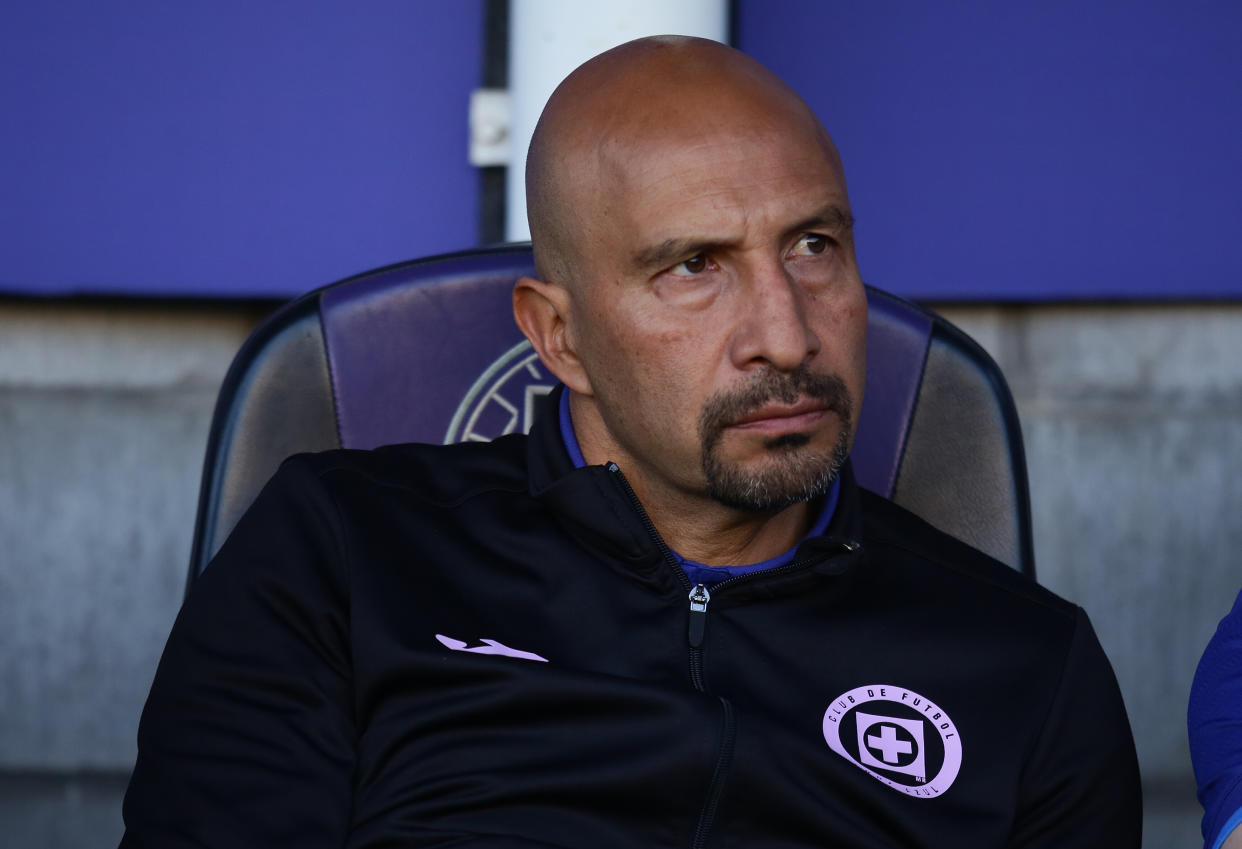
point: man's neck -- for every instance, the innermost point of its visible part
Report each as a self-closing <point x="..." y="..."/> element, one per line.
<point x="693" y="524"/>
<point x="708" y="532"/>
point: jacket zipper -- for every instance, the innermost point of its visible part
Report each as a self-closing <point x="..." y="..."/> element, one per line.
<point x="724" y="760"/>
<point x="649" y="525"/>
<point x="700" y="596"/>
<point x="698" y="605"/>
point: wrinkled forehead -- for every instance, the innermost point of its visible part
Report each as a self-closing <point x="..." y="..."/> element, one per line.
<point x="697" y="151"/>
<point x="705" y="177"/>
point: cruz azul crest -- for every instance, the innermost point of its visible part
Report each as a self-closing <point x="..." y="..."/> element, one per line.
<point x="896" y="735"/>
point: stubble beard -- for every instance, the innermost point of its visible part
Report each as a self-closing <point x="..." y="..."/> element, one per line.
<point x="791" y="472"/>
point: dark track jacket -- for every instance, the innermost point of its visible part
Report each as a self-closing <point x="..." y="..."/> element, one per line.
<point x="478" y="645"/>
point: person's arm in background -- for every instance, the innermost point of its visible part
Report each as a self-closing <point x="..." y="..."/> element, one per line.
<point x="1214" y="720"/>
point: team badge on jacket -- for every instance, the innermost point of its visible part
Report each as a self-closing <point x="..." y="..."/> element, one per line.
<point x="898" y="736"/>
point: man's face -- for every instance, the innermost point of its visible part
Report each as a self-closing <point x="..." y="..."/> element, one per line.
<point x="718" y="311"/>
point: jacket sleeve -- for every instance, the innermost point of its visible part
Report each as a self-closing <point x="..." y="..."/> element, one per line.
<point x="247" y="736"/>
<point x="1215" y="725"/>
<point x="1081" y="784"/>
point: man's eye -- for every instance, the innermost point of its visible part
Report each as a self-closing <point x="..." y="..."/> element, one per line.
<point x="696" y="264"/>
<point x="811" y="244"/>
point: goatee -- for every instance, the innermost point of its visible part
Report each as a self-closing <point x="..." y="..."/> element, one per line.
<point x="792" y="472"/>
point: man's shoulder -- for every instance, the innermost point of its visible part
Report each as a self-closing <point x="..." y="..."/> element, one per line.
<point x="436" y="473"/>
<point x="958" y="568"/>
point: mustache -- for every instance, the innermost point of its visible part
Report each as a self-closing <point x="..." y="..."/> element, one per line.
<point x="728" y="406"/>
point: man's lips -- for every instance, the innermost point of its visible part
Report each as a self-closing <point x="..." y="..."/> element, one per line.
<point x="783" y="418"/>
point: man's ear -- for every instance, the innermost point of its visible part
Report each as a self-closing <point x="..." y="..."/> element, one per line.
<point x="541" y="310"/>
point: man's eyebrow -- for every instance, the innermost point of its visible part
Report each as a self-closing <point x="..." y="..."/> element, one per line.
<point x="831" y="217"/>
<point x="666" y="252"/>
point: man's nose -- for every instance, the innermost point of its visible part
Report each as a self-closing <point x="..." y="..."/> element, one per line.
<point x="773" y="327"/>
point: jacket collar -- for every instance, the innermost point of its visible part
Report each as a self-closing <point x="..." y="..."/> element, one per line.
<point x="591" y="502"/>
<point x="597" y="508"/>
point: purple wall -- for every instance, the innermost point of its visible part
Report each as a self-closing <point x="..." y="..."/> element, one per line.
<point x="1054" y="150"/>
<point x="995" y="151"/>
<point x="231" y="148"/>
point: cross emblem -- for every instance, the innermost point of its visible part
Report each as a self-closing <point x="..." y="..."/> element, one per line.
<point x="888" y="744"/>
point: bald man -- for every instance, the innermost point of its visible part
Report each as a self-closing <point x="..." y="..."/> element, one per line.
<point x="669" y="617"/>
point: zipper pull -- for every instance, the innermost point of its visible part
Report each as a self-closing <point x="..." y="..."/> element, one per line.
<point x="699" y="597"/>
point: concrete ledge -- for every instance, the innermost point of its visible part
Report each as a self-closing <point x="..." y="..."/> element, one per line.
<point x="123" y="345"/>
<point x="97" y="500"/>
<point x="1089" y="353"/>
<point x="59" y="811"/>
<point x="1135" y="519"/>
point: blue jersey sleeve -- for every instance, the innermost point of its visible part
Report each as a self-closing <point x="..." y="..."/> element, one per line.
<point x="1215" y="726"/>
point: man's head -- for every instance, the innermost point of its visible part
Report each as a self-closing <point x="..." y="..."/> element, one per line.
<point x="699" y="294"/>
